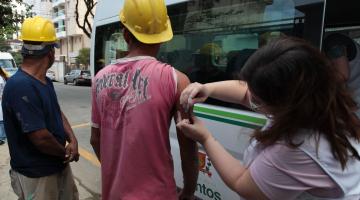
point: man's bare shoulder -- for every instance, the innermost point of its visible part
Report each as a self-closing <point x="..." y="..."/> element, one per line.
<point x="182" y="80"/>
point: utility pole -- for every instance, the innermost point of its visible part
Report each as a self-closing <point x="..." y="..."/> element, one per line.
<point x="66" y="36"/>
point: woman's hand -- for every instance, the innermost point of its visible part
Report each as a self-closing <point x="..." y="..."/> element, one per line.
<point x="195" y="130"/>
<point x="193" y="93"/>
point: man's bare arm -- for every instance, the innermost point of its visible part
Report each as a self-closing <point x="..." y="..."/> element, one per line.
<point x="46" y="143"/>
<point x="68" y="130"/>
<point x="72" y="152"/>
<point x="95" y="141"/>
<point x="188" y="147"/>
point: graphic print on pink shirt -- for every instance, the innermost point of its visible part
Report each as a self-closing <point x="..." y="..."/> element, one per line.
<point x="137" y="87"/>
<point x="132" y="104"/>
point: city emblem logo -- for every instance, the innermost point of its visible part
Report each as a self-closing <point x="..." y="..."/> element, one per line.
<point x="204" y="164"/>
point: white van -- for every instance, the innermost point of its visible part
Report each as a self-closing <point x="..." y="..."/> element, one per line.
<point x="7" y="63"/>
<point x="212" y="41"/>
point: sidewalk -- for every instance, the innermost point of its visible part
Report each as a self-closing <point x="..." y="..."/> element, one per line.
<point x="6" y="192"/>
<point x="5" y="186"/>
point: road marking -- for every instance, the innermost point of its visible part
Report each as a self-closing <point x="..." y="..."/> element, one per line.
<point x="89" y="156"/>
<point x="84" y="153"/>
<point x="81" y="125"/>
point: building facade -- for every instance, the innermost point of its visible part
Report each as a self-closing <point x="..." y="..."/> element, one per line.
<point x="71" y="37"/>
<point x="41" y="7"/>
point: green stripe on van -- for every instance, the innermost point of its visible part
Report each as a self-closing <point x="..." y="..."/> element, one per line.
<point x="228" y="121"/>
<point x="235" y="116"/>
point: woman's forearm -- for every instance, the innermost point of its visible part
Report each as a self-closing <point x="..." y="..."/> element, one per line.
<point x="229" y="172"/>
<point x="233" y="91"/>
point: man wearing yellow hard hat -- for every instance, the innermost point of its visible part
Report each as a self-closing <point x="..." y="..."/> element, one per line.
<point x="36" y="129"/>
<point x="206" y="69"/>
<point x="133" y="103"/>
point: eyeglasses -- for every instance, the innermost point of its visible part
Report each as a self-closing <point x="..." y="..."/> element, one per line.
<point x="255" y="105"/>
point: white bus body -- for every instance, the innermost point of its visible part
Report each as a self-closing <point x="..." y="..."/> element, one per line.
<point x="236" y="28"/>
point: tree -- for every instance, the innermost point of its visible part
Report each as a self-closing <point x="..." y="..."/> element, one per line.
<point x="85" y="26"/>
<point x="17" y="57"/>
<point x="11" y="17"/>
<point x="4" y="46"/>
<point x="84" y="56"/>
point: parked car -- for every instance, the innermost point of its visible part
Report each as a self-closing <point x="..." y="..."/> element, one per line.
<point x="77" y="77"/>
<point x="51" y="75"/>
<point x="7" y="63"/>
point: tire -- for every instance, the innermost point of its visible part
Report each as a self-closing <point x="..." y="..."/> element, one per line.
<point x="76" y="82"/>
<point x="65" y="81"/>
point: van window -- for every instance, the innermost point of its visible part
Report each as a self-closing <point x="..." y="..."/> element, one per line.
<point x="7" y="63"/>
<point x="9" y="66"/>
<point x="86" y="72"/>
<point x="214" y="38"/>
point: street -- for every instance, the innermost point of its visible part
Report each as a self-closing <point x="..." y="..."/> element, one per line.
<point x="75" y="102"/>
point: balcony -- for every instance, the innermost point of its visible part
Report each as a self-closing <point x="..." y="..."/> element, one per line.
<point x="56" y="3"/>
<point x="59" y="15"/>
<point x="60" y="32"/>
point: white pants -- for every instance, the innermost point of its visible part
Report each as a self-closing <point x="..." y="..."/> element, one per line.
<point x="59" y="186"/>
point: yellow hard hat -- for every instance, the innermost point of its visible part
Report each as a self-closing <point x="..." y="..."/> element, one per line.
<point x="147" y="20"/>
<point x="210" y="49"/>
<point x="38" y="29"/>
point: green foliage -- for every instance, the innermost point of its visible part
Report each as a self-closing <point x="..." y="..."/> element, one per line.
<point x="84" y="56"/>
<point x="4" y="46"/>
<point x="18" y="58"/>
<point x="11" y="17"/>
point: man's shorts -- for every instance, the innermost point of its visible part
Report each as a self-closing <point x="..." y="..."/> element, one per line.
<point x="59" y="186"/>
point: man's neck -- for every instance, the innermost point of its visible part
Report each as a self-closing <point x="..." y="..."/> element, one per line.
<point x="143" y="51"/>
<point x="37" y="71"/>
<point x="131" y="54"/>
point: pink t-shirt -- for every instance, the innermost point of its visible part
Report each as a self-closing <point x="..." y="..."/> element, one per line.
<point x="132" y="104"/>
<point x="282" y="172"/>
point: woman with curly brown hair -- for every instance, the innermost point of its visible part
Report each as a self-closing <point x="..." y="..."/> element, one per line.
<point x="310" y="147"/>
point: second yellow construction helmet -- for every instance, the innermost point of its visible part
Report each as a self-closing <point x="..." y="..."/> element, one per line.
<point x="211" y="49"/>
<point x="38" y="29"/>
<point x="147" y="20"/>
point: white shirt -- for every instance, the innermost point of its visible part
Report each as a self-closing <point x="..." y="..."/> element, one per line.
<point x="2" y="85"/>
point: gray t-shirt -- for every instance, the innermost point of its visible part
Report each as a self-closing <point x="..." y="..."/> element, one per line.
<point x="282" y="172"/>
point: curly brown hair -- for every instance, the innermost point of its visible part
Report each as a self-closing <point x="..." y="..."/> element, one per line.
<point x="303" y="91"/>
